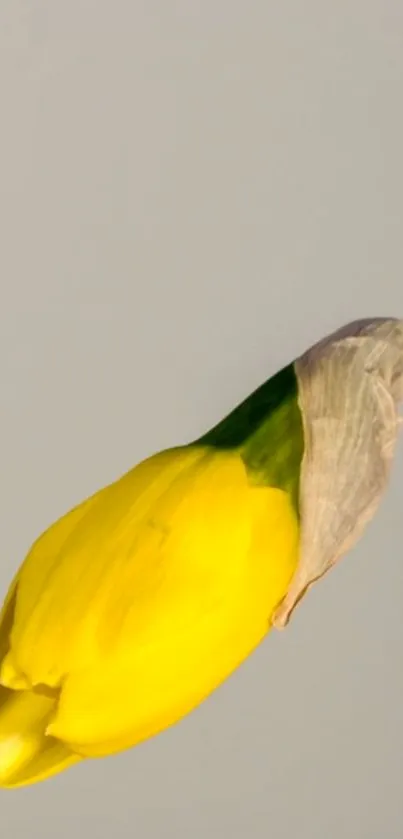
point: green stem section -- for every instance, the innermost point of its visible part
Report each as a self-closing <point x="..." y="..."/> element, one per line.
<point x="267" y="430"/>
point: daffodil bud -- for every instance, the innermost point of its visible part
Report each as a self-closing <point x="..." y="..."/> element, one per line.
<point x="134" y="606"/>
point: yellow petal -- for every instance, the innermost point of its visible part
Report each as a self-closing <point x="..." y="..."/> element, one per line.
<point x="53" y="757"/>
<point x="191" y="629"/>
<point x="139" y="603"/>
<point x="26" y="754"/>
<point x="75" y="561"/>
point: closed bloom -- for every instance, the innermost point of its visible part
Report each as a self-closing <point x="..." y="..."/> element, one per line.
<point x="132" y="608"/>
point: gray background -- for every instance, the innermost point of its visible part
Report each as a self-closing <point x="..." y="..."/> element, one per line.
<point x="190" y="194"/>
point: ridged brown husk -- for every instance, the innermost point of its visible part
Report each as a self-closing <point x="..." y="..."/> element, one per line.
<point x="350" y="387"/>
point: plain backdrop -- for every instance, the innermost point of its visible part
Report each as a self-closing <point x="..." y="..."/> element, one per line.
<point x="191" y="193"/>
